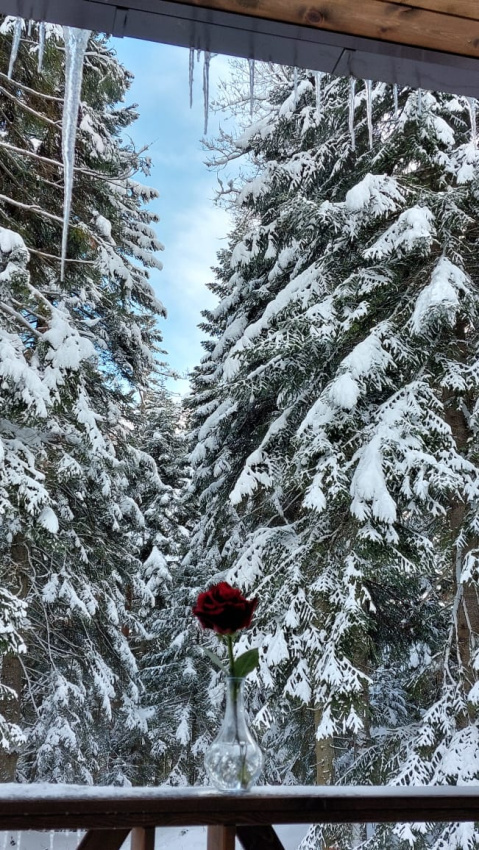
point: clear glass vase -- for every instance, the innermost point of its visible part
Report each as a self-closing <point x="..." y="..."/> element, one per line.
<point x="234" y="760"/>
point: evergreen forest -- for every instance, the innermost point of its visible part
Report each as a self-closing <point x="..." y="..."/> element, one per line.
<point x="325" y="461"/>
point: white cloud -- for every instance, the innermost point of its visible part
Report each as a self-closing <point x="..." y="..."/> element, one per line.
<point x="191" y="227"/>
<point x="162" y="75"/>
<point x="200" y="234"/>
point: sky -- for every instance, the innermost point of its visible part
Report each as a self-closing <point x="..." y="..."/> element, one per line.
<point x="191" y="228"/>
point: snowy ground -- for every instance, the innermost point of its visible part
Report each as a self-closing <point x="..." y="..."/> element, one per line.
<point x="166" y="839"/>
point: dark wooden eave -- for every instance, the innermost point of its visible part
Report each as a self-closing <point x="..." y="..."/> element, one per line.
<point x="431" y="44"/>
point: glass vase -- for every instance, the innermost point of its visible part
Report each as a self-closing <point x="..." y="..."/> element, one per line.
<point x="234" y="760"/>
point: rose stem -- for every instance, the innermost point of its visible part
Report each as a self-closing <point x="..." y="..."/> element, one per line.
<point x="229" y="641"/>
<point x="243" y="779"/>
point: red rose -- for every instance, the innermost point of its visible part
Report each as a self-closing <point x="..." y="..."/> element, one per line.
<point x="224" y="609"/>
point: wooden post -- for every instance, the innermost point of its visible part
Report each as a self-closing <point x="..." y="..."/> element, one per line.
<point x="221" y="838"/>
<point x="142" y="839"/>
<point x="258" y="838"/>
<point x="11" y="675"/>
<point x="103" y="839"/>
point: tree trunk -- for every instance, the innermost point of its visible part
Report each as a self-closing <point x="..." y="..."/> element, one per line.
<point x="467" y="602"/>
<point x="362" y="739"/>
<point x="324" y="751"/>
<point x="11" y="668"/>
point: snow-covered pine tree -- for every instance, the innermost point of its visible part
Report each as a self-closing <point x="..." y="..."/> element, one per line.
<point x="335" y="425"/>
<point x="74" y="355"/>
<point x="160" y="491"/>
<point x="180" y="692"/>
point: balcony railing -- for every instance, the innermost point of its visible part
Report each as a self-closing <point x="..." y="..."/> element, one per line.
<point x="109" y="814"/>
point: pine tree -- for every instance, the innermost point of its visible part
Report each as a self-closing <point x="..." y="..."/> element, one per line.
<point x="335" y="417"/>
<point x="74" y="356"/>
<point x="160" y="491"/>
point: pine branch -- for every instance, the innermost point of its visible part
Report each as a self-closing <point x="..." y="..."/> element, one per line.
<point x="29" y="310"/>
<point x="19" y="318"/>
<point x="29" y="109"/>
<point x="58" y="259"/>
<point x="57" y="164"/>
<point x="32" y="207"/>
<point x="31" y="154"/>
<point x="31" y="91"/>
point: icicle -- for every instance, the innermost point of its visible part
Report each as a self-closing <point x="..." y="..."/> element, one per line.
<point x="396" y="101"/>
<point x="17" y="34"/>
<point x="295" y="85"/>
<point x="191" y="73"/>
<point x="369" y="109"/>
<point x="29" y="30"/>
<point x="206" y="88"/>
<point x="251" y="86"/>
<point x="471" y="102"/>
<point x="419" y="103"/>
<point x="352" y="95"/>
<point x="75" y="46"/>
<point x="41" y="44"/>
<point x="318" y="78"/>
<point x="52" y="838"/>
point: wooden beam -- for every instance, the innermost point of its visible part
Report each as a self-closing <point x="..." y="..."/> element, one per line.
<point x="142" y="839"/>
<point x="214" y="25"/>
<point x="258" y="838"/>
<point x="383" y="20"/>
<point x="221" y="838"/>
<point x="454" y="8"/>
<point x="103" y="839"/>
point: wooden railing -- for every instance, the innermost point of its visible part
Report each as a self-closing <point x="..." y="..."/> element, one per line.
<point x="109" y="814"/>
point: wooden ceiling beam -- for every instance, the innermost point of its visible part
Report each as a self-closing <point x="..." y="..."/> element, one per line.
<point x="430" y="44"/>
<point x="425" y="23"/>
<point x="454" y="8"/>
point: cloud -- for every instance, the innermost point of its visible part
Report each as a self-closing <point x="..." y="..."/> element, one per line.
<point x="196" y="233"/>
<point x="191" y="227"/>
<point x="161" y="84"/>
<point x="200" y="234"/>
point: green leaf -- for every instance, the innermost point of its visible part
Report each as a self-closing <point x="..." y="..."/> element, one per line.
<point x="246" y="662"/>
<point x="214" y="658"/>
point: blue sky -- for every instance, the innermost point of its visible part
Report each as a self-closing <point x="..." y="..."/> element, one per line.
<point x="191" y="228"/>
